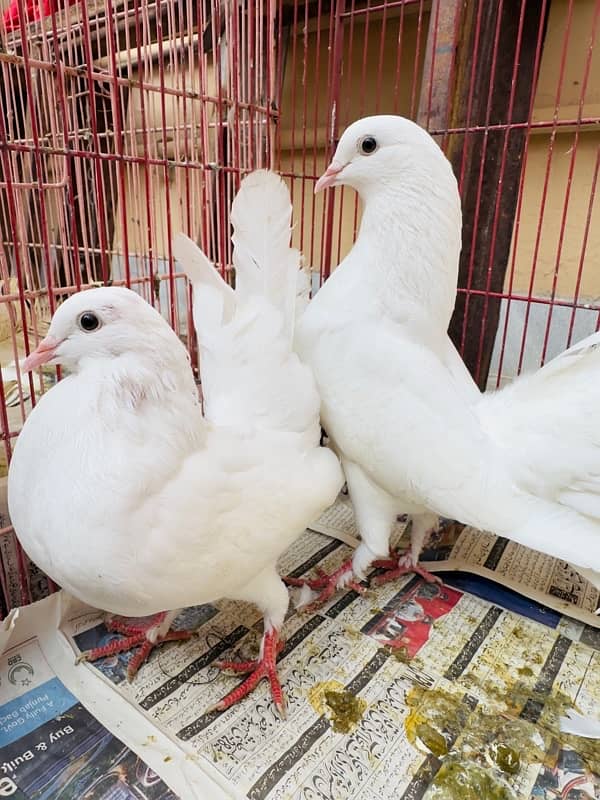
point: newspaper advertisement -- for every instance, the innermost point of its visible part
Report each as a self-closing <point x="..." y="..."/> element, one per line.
<point x="408" y="691"/>
<point x="462" y="548"/>
<point x="53" y="746"/>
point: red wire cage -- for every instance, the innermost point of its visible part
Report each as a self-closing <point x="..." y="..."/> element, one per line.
<point x="123" y="122"/>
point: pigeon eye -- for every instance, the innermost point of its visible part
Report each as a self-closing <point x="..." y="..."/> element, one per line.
<point x="88" y="322"/>
<point x="367" y="145"/>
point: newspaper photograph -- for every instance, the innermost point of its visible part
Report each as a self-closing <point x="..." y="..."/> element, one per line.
<point x="409" y="691"/>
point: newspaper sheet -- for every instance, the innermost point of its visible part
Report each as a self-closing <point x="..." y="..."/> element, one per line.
<point x="457" y="547"/>
<point x="410" y="691"/>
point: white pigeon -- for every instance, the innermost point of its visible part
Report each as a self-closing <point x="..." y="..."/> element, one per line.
<point x="413" y="431"/>
<point x="132" y="500"/>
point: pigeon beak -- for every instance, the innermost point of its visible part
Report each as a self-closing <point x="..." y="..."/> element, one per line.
<point x="43" y="353"/>
<point x="328" y="178"/>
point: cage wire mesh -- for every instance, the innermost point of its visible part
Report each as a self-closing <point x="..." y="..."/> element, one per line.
<point x="125" y="121"/>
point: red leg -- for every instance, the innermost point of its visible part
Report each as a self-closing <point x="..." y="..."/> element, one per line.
<point x="401" y="565"/>
<point x="236" y="666"/>
<point x="385" y="563"/>
<point x="135" y="635"/>
<point x="263" y="667"/>
<point x="327" y="585"/>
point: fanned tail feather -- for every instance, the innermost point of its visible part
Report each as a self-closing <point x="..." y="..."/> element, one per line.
<point x="214" y="300"/>
<point x="265" y="264"/>
<point x="250" y="375"/>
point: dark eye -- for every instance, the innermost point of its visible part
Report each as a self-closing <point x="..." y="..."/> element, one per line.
<point x="367" y="145"/>
<point x="88" y="321"/>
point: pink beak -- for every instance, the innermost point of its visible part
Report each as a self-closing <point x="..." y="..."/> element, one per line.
<point x="42" y="353"/>
<point x="328" y="178"/>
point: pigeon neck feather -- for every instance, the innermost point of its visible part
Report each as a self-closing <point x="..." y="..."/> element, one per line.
<point x="134" y="380"/>
<point x="410" y="239"/>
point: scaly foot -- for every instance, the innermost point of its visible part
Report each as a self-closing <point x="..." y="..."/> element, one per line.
<point x="263" y="667"/>
<point x="326" y="585"/>
<point x="398" y="565"/>
<point x="148" y="635"/>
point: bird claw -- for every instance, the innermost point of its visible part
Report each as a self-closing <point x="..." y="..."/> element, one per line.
<point x="236" y="667"/>
<point x="326" y="584"/>
<point x="402" y="564"/>
<point x="281" y="707"/>
<point x="313" y="583"/>
<point x="385" y="563"/>
<point x="263" y="667"/>
<point x="135" y="635"/>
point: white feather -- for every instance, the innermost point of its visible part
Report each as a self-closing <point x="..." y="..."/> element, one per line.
<point x="303" y="287"/>
<point x="265" y="264"/>
<point x="214" y="306"/>
<point x="250" y="375"/>
<point x="579" y="725"/>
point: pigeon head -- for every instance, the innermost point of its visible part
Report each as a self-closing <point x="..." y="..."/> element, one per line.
<point x="379" y="151"/>
<point x="106" y="322"/>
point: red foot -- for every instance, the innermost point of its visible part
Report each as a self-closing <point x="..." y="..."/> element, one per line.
<point x="327" y="584"/>
<point x="134" y="636"/>
<point x="263" y="667"/>
<point x="401" y="565"/>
